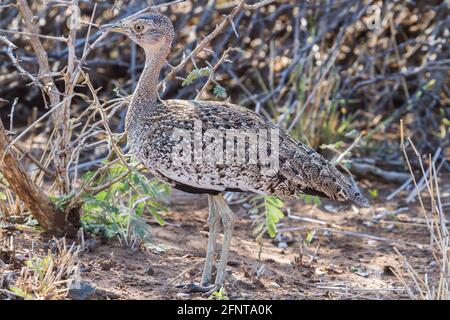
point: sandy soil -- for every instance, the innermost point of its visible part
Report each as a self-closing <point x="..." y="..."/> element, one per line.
<point x="351" y="256"/>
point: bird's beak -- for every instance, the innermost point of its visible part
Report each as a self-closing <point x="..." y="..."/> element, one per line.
<point x="113" y="27"/>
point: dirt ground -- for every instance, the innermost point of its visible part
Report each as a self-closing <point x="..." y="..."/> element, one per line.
<point x="351" y="255"/>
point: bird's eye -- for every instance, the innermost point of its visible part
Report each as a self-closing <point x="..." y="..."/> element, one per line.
<point x="139" y="27"/>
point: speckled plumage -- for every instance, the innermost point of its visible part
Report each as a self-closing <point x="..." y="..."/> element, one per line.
<point x="150" y="125"/>
<point x="153" y="127"/>
<point x="302" y="170"/>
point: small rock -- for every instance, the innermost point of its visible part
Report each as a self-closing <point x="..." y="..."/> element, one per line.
<point x="19" y="257"/>
<point x="82" y="291"/>
<point x="106" y="265"/>
<point x="368" y="223"/>
<point x="275" y="285"/>
<point x="245" y="285"/>
<point x="92" y="244"/>
<point x="282" y="245"/>
<point x="85" y="269"/>
<point x="149" y="271"/>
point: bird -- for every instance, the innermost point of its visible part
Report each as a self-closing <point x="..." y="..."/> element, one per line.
<point x="156" y="128"/>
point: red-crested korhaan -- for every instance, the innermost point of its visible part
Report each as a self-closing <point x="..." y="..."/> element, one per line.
<point x="152" y="122"/>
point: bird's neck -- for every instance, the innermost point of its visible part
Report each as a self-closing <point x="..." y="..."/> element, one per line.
<point x="145" y="96"/>
<point x="146" y="93"/>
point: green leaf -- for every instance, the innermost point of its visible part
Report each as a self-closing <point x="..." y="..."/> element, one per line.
<point x="158" y="218"/>
<point x="21" y="293"/>
<point x="274" y="213"/>
<point x="220" y="92"/>
<point x="316" y="200"/>
<point x="271" y="228"/>
<point x="373" y="193"/>
<point x="195" y="74"/>
<point x="275" y="201"/>
<point x="309" y="237"/>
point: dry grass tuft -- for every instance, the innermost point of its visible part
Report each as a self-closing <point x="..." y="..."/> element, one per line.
<point x="429" y="287"/>
<point x="45" y="276"/>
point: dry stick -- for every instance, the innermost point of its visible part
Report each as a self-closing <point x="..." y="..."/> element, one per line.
<point x="50" y="89"/>
<point x="39" y="177"/>
<point x="15" y="62"/>
<point x="62" y="39"/>
<point x="248" y="6"/>
<point x="346" y="151"/>
<point x="428" y="222"/>
<point x="355" y="234"/>
<point x="105" y="124"/>
<point x="49" y="216"/>
<point x="95" y="190"/>
<point x="397" y="191"/>
<point x="151" y="7"/>
<point x="36" y="162"/>
<point x="39" y="50"/>
<point x="363" y="169"/>
<point x="64" y="137"/>
<point x="203" y="43"/>
<point x="184" y="272"/>
<point x="211" y="74"/>
<point x="421" y="183"/>
<point x="30" y="127"/>
<point x="258" y="5"/>
<point x="74" y="78"/>
<point x="11" y="117"/>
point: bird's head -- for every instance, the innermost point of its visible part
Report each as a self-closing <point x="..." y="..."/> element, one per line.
<point x="151" y="31"/>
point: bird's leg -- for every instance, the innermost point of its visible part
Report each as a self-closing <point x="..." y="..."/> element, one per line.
<point x="228" y="223"/>
<point x="205" y="284"/>
<point x="212" y="223"/>
<point x="217" y="204"/>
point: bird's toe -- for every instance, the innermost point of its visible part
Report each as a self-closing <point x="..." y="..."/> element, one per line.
<point x="193" y="287"/>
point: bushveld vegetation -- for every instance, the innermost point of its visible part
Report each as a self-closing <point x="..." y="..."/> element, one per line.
<point x="364" y="82"/>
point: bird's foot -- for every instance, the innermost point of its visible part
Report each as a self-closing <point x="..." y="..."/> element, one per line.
<point x="213" y="288"/>
<point x="193" y="287"/>
<point x="207" y="290"/>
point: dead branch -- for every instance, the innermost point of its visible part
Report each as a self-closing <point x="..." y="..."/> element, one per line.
<point x="365" y="170"/>
<point x="49" y="216"/>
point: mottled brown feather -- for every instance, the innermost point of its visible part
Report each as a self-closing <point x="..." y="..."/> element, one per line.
<point x="151" y="123"/>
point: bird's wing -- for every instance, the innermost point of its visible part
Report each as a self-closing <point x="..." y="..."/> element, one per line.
<point x="301" y="169"/>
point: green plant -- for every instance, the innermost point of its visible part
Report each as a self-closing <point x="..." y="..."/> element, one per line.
<point x="219" y="295"/>
<point x="269" y="210"/>
<point x="308" y="199"/>
<point x="219" y="91"/>
<point x="323" y="119"/>
<point x="373" y="193"/>
<point x="48" y="277"/>
<point x="309" y="237"/>
<point x="195" y="74"/>
<point x="118" y="211"/>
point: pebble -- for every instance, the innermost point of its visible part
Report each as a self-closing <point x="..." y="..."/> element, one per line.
<point x="282" y="245"/>
<point x="85" y="291"/>
<point x="329" y="208"/>
<point x="149" y="271"/>
<point x="275" y="285"/>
